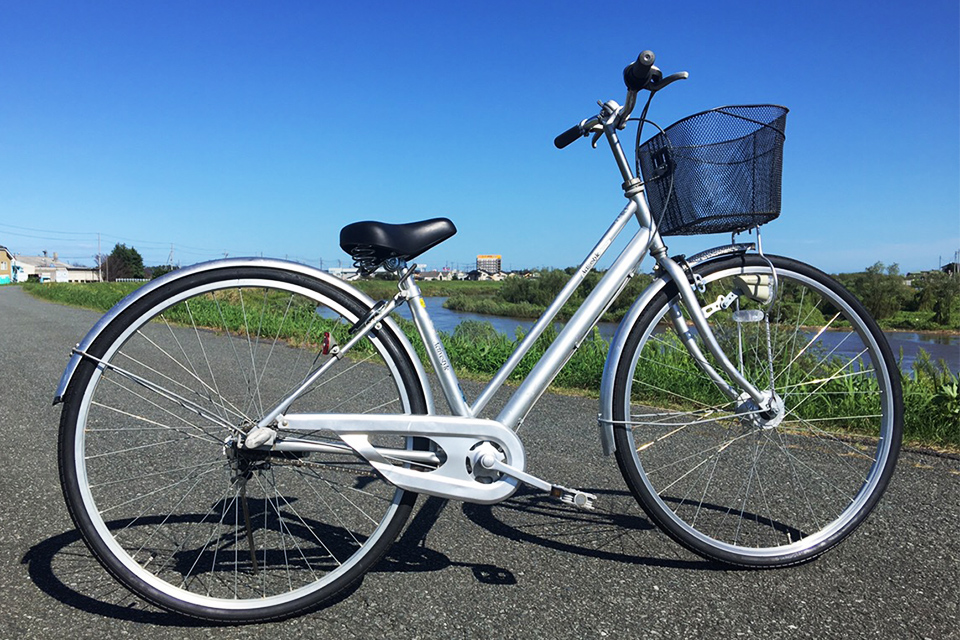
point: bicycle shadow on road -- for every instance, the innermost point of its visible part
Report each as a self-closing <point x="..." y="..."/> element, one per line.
<point x="532" y="517"/>
<point x="612" y="534"/>
<point x="63" y="568"/>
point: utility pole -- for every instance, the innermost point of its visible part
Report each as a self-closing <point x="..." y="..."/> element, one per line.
<point x="99" y="258"/>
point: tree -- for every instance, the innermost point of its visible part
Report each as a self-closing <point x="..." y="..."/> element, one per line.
<point x="123" y="262"/>
<point x="159" y="270"/>
<point x="880" y="288"/>
<point x="937" y="292"/>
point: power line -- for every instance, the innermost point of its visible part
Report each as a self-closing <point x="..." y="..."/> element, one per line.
<point x="72" y="233"/>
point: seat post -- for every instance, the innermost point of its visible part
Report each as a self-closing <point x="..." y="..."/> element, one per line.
<point x="435" y="350"/>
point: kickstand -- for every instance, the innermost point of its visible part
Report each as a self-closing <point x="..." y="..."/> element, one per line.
<point x="246" y="524"/>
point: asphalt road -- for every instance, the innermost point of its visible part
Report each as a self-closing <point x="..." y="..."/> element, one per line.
<point x="526" y="568"/>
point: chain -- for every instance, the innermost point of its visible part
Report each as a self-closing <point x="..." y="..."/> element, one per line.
<point x="359" y="470"/>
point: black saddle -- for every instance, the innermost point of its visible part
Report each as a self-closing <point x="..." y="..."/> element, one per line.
<point x="372" y="243"/>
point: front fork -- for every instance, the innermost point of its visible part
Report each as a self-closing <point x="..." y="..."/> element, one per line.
<point x="741" y="386"/>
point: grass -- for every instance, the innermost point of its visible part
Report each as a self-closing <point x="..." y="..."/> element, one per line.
<point x="478" y="350"/>
<point x="378" y="289"/>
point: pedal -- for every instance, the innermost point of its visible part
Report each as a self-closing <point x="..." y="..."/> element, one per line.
<point x="486" y="458"/>
<point x="577" y="498"/>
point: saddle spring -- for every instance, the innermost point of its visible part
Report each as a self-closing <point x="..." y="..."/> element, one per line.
<point x="365" y="259"/>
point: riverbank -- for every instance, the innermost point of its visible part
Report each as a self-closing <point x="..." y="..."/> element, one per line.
<point x="488" y="303"/>
<point x="907" y="345"/>
<point x="479" y="350"/>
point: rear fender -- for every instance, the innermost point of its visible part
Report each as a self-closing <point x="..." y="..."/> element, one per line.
<point x="294" y="267"/>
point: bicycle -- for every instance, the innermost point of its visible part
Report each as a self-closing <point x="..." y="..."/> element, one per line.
<point x="243" y="439"/>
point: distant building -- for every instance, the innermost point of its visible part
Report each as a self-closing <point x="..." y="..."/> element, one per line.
<point x="488" y="263"/>
<point x="483" y="276"/>
<point x="6" y="266"/>
<point x="344" y="273"/>
<point x="46" y="269"/>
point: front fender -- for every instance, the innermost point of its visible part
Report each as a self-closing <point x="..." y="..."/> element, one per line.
<point x="295" y="267"/>
<point x="626" y="325"/>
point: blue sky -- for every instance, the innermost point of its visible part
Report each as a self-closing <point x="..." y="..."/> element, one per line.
<point x="255" y="127"/>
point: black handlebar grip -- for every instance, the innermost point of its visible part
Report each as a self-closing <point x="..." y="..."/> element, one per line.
<point x="637" y="74"/>
<point x="567" y="137"/>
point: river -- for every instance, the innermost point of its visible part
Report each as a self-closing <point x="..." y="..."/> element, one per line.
<point x="939" y="346"/>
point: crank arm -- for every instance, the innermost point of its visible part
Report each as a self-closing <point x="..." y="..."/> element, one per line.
<point x="575" y="497"/>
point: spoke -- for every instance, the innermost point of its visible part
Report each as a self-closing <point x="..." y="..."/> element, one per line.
<point x="157" y="406"/>
<point x="713" y="449"/>
<point x="142" y="476"/>
<point x="384" y="405"/>
<point x="824" y="480"/>
<point x="221" y="405"/>
<point x="833" y="438"/>
<point x="338" y="467"/>
<point x="163" y="523"/>
<point x="336" y="488"/>
<point x="192" y="371"/>
<point x="232" y="341"/>
<point x="292" y="382"/>
<point x="822" y="382"/>
<point x="836" y="376"/>
<point x="680" y="426"/>
<point x="276" y="338"/>
<point x="832" y="418"/>
<point x="758" y="451"/>
<point x="129" y="449"/>
<point x="669" y="392"/>
<point x="158" y="425"/>
<point x="796" y="478"/>
<point x="306" y="526"/>
<point x="213" y="378"/>
<point x="140" y="497"/>
<point x="186" y="404"/>
<point x="819" y="333"/>
<point x="336" y="514"/>
<point x="326" y="381"/>
<point x="706" y="488"/>
<point x="255" y="400"/>
<point x="359" y="393"/>
<point x="185" y="578"/>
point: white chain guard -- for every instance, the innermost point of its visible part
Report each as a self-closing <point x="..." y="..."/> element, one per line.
<point x="455" y="435"/>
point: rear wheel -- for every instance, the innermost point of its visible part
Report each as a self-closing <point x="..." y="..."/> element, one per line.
<point x="737" y="484"/>
<point x="150" y="461"/>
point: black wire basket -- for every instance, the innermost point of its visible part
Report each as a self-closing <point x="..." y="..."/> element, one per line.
<point x="718" y="171"/>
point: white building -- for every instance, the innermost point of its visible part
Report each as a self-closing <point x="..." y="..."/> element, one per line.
<point x="48" y="269"/>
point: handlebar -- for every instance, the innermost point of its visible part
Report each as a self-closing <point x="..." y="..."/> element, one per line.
<point x="638" y="75"/>
<point x="568" y="137"/>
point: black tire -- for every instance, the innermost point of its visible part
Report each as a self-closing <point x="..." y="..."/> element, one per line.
<point x="760" y="490"/>
<point x="159" y="490"/>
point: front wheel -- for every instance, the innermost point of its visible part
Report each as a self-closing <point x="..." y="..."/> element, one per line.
<point x="728" y="480"/>
<point x="153" y="471"/>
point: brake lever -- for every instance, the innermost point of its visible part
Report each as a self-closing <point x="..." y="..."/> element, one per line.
<point x="596" y="138"/>
<point x="663" y="82"/>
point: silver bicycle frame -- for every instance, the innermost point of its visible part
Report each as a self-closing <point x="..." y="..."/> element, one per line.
<point x="586" y="317"/>
<point x="627" y="264"/>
